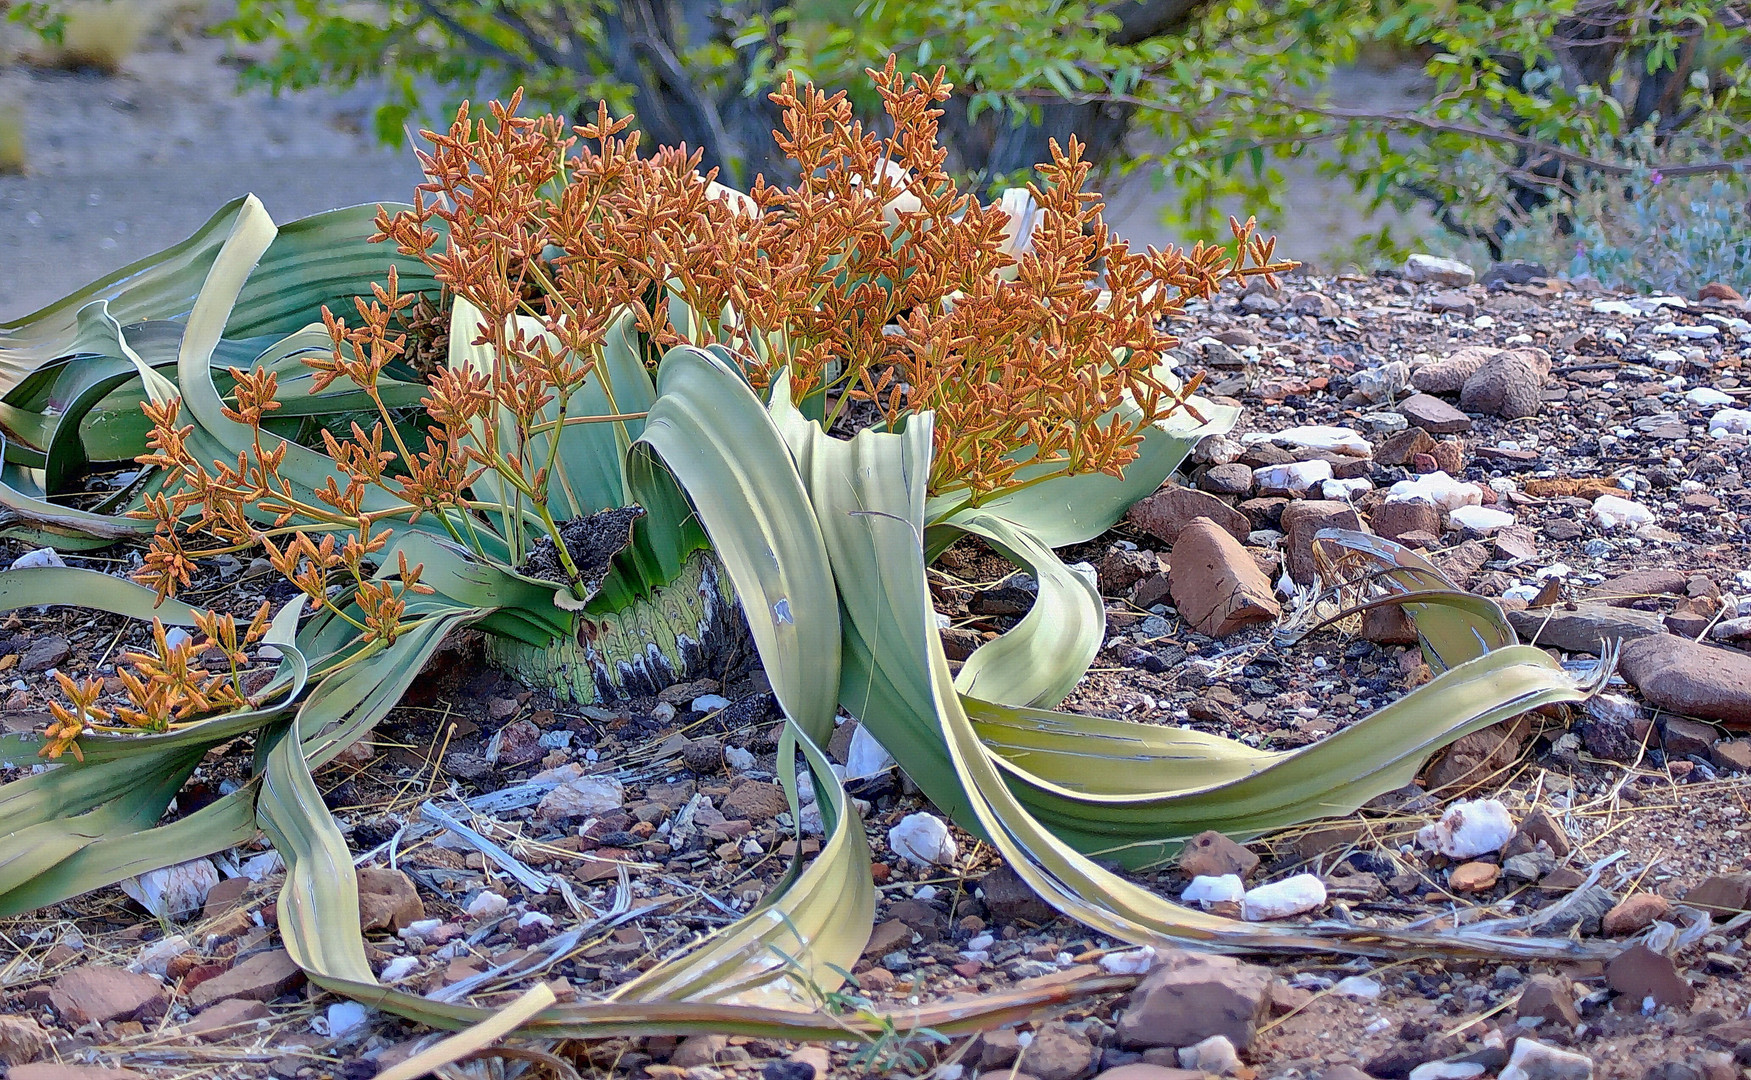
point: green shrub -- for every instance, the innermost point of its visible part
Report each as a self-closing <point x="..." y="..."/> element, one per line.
<point x="1645" y="231"/>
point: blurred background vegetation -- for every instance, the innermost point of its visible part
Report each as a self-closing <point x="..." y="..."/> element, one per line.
<point x="1602" y="137"/>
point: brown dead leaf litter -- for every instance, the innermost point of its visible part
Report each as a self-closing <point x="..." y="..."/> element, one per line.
<point x="1590" y="474"/>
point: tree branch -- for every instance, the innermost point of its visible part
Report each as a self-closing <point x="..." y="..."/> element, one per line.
<point x="509" y="16"/>
<point x="1423" y="123"/>
<point x="483" y="48"/>
<point x="1140" y="20"/>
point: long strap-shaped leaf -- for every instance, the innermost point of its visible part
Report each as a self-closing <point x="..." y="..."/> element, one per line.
<point x="318" y="260"/>
<point x="1453" y="626"/>
<point x="1040" y="660"/>
<point x="713" y="435"/>
<point x="319" y="925"/>
<point x="868" y="498"/>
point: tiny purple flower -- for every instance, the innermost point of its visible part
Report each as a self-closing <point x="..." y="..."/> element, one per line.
<point x="1656" y="178"/>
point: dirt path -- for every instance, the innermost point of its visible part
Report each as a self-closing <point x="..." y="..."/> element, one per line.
<point x="124" y="166"/>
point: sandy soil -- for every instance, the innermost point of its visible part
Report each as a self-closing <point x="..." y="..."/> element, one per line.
<point x="123" y="166"/>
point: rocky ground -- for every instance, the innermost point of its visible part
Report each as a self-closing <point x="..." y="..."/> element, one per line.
<point x="1577" y="456"/>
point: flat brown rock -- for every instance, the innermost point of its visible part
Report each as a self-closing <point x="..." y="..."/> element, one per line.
<point x="1639" y="972"/>
<point x="1433" y="415"/>
<point x="1516" y="542"/>
<point x="231" y="1017"/>
<point x="1725" y="894"/>
<point x="755" y="800"/>
<point x="1216" y="585"/>
<point x="1166" y="513"/>
<point x="1400" y="448"/>
<point x="1682" y="676"/>
<point x="1395" y="519"/>
<point x="1731" y="754"/>
<point x="1586" y="628"/>
<point x="100" y="994"/>
<point x="1681" y="738"/>
<point x="261" y="977"/>
<point x="1625" y="589"/>
<point x="1474" y="876"/>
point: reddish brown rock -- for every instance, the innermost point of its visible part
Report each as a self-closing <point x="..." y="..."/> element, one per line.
<point x="1401" y="447"/>
<point x="515" y="744"/>
<point x="1509" y="385"/>
<point x="1625" y="589"/>
<point x="1718" y="290"/>
<point x="996" y="1049"/>
<point x="1477" y="758"/>
<point x="1516" y="542"/>
<point x="387" y="899"/>
<point x="261" y="977"/>
<point x="1681" y="738"/>
<point x="1733" y="755"/>
<point x="1302" y="520"/>
<point x="755" y="800"/>
<point x="1584" y="627"/>
<point x="1434" y="416"/>
<point x="1010" y="899"/>
<point x="225" y="1019"/>
<point x="1550" y="998"/>
<point x="1635" y="912"/>
<point x="1211" y="854"/>
<point x="1165" y="514"/>
<point x="1230" y="479"/>
<point x="1639" y="972"/>
<point x="1152" y="590"/>
<point x="22" y="1040"/>
<point x="1394" y="519"/>
<point x="1462" y="561"/>
<point x="1216" y="585"/>
<point x="1449" y="455"/>
<point x="1474" y="877"/>
<point x="1188" y="997"/>
<point x="98" y="995"/>
<point x="1726" y="894"/>
<point x="1538" y="826"/>
<point x="1060" y="1052"/>
<point x="224" y="896"/>
<point x="1388" y="625"/>
<point x="1265" y="512"/>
